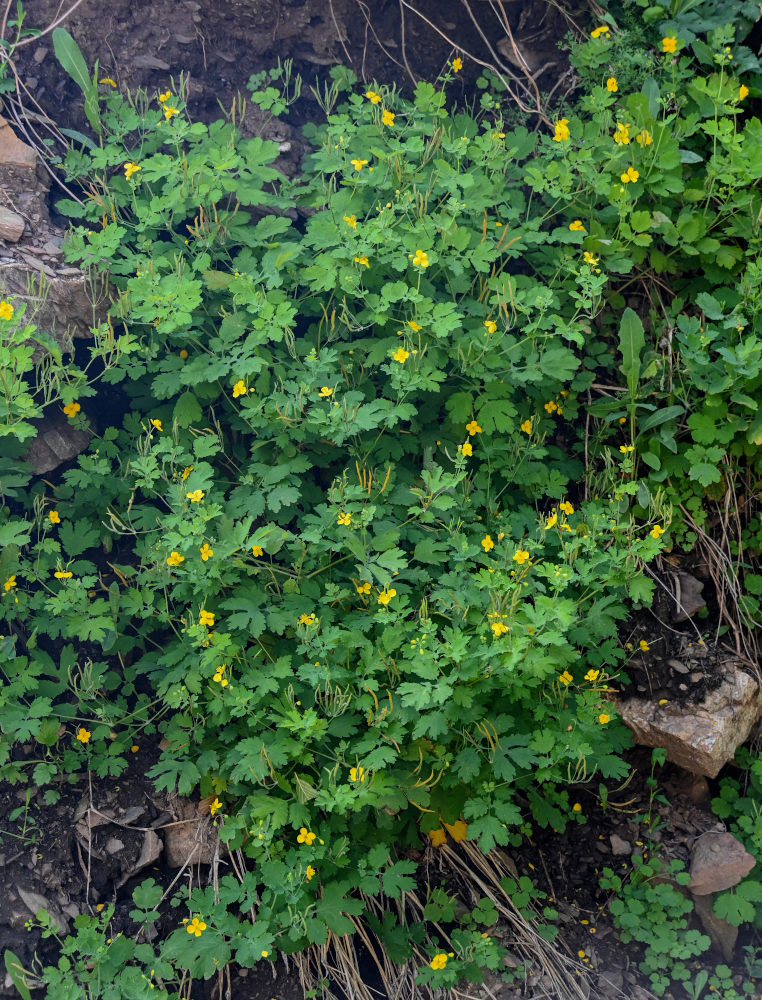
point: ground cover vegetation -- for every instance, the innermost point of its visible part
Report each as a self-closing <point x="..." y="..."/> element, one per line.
<point x="399" y="437"/>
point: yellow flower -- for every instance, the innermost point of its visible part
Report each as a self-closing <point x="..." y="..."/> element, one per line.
<point x="626" y="448"/>
<point x="487" y="543"/>
<point x="305" y="837"/>
<point x="591" y="259"/>
<point x="195" y="496"/>
<point x="597" y="32"/>
<point x="10" y="583"/>
<point x="306" y="619"/>
<point x="611" y="85"/>
<point x="592" y="675"/>
<point x="130" y="169"/>
<point x="169" y="112"/>
<point x="643" y="138"/>
<point x="644" y="647"/>
<point x="344" y="519"/>
<point x="566" y="678"/>
<point x="108" y="80"/>
<point x="325" y="392"/>
<point x="622" y="134"/>
<point x="387" y="118"/>
<point x="669" y="43"/>
<point x="351" y="221"/>
<point x="196" y="927"/>
<point x="438" y="961"/>
<point x="521" y="556"/>
<point x="566" y="507"/>
<point x="562" y="130"/>
<point x="629" y="176"/>
<point x="374" y="98"/>
<point x="206" y="618"/>
<point x="577" y="807"/>
<point x="577" y="227"/>
<point x="357" y="774"/>
<point x="156" y="424"/>
<point x="499" y="629"/>
<point x="239" y="389"/>
<point x="257" y="550"/>
<point x="437" y="837"/>
<point x="362" y="260"/>
<point x="63" y="574"/>
<point x="551" y="522"/>
<point x="551" y="406"/>
<point x="386" y="595"/>
<point x="743" y="91"/>
<point x="6" y="310"/>
<point x="219" y="676"/>
<point x="309" y="874"/>
<point x="415" y="327"/>
<point x="206" y="551"/>
<point x="72" y="409"/>
<point x="656" y="531"/>
<point x="603" y="718"/>
<point x="358" y="164"/>
<point x="55" y="517"/>
<point x="215" y="806"/>
<point x="421" y="259"/>
<point x="526" y="427"/>
<point x="186" y="472"/>
<point x="401" y="355"/>
<point x="83" y="735"/>
<point x="183" y="354"/>
<point x="457" y="64"/>
<point x="174" y="559"/>
<point x="466" y="449"/>
<point x="362" y="588"/>
<point x="473" y="428"/>
<point x="165" y="96"/>
<point x="491" y="325"/>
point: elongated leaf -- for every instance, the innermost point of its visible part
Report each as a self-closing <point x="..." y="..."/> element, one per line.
<point x="631" y="343"/>
<point x="69" y="54"/>
<point x="15" y="970"/>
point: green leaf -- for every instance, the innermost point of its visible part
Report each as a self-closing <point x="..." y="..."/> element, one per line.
<point x="187" y="410"/>
<point x="396" y="879"/>
<point x="631" y="343"/>
<point x="334" y="906"/>
<point x="16" y="971"/>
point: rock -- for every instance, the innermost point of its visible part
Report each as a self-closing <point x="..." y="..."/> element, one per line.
<point x="57" y="442"/>
<point x="192" y="839"/>
<point x="114" y="845"/>
<point x="610" y="983"/>
<point x="619" y="846"/>
<point x="13" y="151"/>
<point x="678" y="666"/>
<point x="11" y="225"/>
<point x="722" y="934"/>
<point x="35" y="902"/>
<point x="58" y="301"/>
<point x="688" y="597"/>
<point x="719" y="862"/>
<point x="700" y="737"/>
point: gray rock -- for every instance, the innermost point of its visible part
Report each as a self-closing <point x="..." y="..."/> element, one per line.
<point x="619" y="846"/>
<point x="11" y="225"/>
<point x="723" y="935"/>
<point x="57" y="442"/>
<point x="719" y="862"/>
<point x="688" y="597"/>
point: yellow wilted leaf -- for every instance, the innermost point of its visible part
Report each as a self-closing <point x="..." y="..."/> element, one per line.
<point x="458" y="830"/>
<point x="438" y="837"/>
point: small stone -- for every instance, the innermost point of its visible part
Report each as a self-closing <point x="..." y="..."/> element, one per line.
<point x="719" y="862"/>
<point x="14" y="152"/>
<point x="689" y="596"/>
<point x="39" y="54"/>
<point x="610" y="983"/>
<point x="678" y="665"/>
<point x="11" y="225"/>
<point x="696" y="676"/>
<point x="620" y="846"/>
<point x="114" y="845"/>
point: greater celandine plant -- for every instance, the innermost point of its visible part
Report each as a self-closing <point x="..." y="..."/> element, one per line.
<point x="338" y="552"/>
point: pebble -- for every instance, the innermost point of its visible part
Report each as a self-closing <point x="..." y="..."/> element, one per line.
<point x="678" y="665"/>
